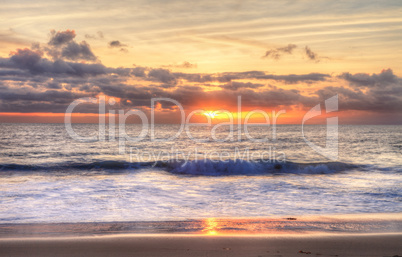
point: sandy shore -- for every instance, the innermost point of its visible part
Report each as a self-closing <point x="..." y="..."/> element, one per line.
<point x="378" y="245"/>
<point x="361" y="235"/>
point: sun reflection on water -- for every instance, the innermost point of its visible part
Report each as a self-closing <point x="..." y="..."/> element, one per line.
<point x="211" y="226"/>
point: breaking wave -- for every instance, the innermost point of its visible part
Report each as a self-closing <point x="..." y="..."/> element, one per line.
<point x="194" y="167"/>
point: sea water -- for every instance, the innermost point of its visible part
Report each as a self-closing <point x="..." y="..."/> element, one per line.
<point x="48" y="176"/>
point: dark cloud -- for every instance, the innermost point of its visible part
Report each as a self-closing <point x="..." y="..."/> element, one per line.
<point x="63" y="46"/>
<point x="138" y="72"/>
<point x="276" y="53"/>
<point x="194" y="77"/>
<point x="53" y="85"/>
<point x="116" y="43"/>
<point x="229" y="76"/>
<point x="293" y="78"/>
<point x="11" y="73"/>
<point x="162" y="75"/>
<point x="26" y="59"/>
<point x="32" y="61"/>
<point x="259" y="75"/>
<point x="61" y="37"/>
<point x="239" y="85"/>
<point x="384" y="78"/>
<point x="387" y="101"/>
<point x="31" y="100"/>
<point x="377" y="92"/>
<point x="78" y="52"/>
<point x="310" y="54"/>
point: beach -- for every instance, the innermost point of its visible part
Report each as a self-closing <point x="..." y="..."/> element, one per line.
<point x="337" y="235"/>
<point x="378" y="245"/>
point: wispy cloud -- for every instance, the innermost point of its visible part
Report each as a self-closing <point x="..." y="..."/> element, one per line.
<point x="276" y="53"/>
<point x="184" y="65"/>
<point x="310" y="54"/>
<point x="98" y="35"/>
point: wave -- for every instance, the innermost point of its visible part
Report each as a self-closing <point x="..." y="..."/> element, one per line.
<point x="241" y="167"/>
<point x="195" y="167"/>
<point x="99" y="165"/>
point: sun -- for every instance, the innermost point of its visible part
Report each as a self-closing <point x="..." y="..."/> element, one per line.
<point x="211" y="114"/>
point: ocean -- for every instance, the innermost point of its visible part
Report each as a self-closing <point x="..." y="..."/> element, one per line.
<point x="46" y="176"/>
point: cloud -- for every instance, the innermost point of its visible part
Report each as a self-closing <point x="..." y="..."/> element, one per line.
<point x="383" y="101"/>
<point x="270" y="98"/>
<point x="61" y="37"/>
<point x="310" y="54"/>
<point x="99" y="35"/>
<point x="384" y="78"/>
<point x="276" y="53"/>
<point x="32" y="61"/>
<point x="259" y="75"/>
<point x="187" y="65"/>
<point x="31" y="80"/>
<point x="294" y="78"/>
<point x="138" y="71"/>
<point x="116" y="43"/>
<point x="234" y="86"/>
<point x="162" y="75"/>
<point x="63" y="46"/>
<point x="194" y="77"/>
<point x="287" y="49"/>
<point x="26" y="59"/>
<point x="78" y="51"/>
<point x="376" y="92"/>
<point x="184" y="65"/>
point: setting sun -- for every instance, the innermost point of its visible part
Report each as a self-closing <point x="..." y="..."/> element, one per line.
<point x="210" y="114"/>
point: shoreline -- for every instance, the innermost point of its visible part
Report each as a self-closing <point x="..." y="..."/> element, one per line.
<point x="369" y="235"/>
<point x="380" y="223"/>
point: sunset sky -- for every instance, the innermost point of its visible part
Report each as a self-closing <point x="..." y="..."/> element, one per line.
<point x="276" y="55"/>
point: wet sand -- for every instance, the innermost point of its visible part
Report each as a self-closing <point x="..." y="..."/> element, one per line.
<point x="367" y="245"/>
<point x="367" y="235"/>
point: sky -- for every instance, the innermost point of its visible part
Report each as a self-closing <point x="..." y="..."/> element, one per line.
<point x="277" y="55"/>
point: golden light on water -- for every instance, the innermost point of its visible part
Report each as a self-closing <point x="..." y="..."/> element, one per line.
<point x="221" y="227"/>
<point x="212" y="233"/>
<point x="211" y="226"/>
